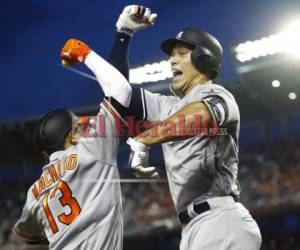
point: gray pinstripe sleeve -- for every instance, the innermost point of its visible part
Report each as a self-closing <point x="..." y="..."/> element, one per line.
<point x="156" y="106"/>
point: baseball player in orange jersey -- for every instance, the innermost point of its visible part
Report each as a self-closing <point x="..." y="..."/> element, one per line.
<point x="76" y="203"/>
<point x="201" y="167"/>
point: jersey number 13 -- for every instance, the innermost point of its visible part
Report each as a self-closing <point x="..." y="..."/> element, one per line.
<point x="66" y="200"/>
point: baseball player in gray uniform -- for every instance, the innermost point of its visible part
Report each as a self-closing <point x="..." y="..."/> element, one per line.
<point x="76" y="203"/>
<point x="201" y="166"/>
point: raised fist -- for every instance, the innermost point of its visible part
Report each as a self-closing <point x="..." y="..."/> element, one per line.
<point x="135" y="18"/>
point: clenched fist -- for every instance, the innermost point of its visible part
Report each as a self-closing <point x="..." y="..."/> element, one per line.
<point x="135" y="18"/>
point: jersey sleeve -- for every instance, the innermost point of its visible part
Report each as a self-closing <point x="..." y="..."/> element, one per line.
<point x="222" y="106"/>
<point x="108" y="127"/>
<point x="28" y="227"/>
<point x="149" y="106"/>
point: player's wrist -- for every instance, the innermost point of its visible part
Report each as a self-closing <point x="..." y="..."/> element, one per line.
<point x="123" y="37"/>
<point x="141" y="141"/>
<point x="125" y="31"/>
<point x="137" y="145"/>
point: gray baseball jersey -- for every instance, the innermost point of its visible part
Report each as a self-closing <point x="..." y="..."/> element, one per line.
<point x="76" y="203"/>
<point x="204" y="166"/>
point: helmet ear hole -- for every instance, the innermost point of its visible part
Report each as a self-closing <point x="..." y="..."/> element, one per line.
<point x="208" y="61"/>
<point x="205" y="62"/>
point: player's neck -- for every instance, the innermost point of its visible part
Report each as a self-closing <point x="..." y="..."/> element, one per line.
<point x="199" y="80"/>
<point x="71" y="139"/>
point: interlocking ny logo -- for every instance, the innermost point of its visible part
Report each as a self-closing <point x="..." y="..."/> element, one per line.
<point x="179" y="35"/>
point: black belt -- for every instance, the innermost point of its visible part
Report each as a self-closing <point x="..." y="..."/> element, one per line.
<point x="185" y="218"/>
<point x="200" y="208"/>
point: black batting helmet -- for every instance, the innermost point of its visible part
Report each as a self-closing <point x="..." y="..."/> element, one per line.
<point x="52" y="129"/>
<point x="207" y="51"/>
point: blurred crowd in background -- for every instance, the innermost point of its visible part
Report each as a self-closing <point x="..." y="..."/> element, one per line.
<point x="270" y="174"/>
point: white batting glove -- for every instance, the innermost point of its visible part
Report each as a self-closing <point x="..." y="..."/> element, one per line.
<point x="135" y="18"/>
<point x="138" y="160"/>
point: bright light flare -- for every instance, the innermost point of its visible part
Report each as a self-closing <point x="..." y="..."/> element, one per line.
<point x="276" y="83"/>
<point x="151" y="72"/>
<point x="291" y="38"/>
<point x="287" y="41"/>
<point x="292" y="96"/>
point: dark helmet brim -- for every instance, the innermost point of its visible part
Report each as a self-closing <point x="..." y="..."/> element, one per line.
<point x="168" y="45"/>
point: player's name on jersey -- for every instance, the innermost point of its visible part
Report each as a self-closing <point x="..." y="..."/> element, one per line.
<point x="52" y="173"/>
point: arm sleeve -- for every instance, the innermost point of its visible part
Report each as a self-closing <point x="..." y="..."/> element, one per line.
<point x="112" y="82"/>
<point x="149" y="106"/>
<point x="28" y="227"/>
<point x="223" y="107"/>
<point x="118" y="56"/>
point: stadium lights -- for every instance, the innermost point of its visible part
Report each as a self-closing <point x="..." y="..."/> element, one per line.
<point x="151" y="72"/>
<point x="286" y="41"/>
<point x="148" y="73"/>
<point x="292" y="96"/>
<point x="276" y="83"/>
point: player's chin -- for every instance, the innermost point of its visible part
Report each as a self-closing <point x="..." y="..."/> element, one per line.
<point x="76" y="140"/>
<point x="177" y="85"/>
<point x="177" y="79"/>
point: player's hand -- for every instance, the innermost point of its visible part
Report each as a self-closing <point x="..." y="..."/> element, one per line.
<point x="138" y="160"/>
<point x="135" y="18"/>
<point x="74" y="51"/>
